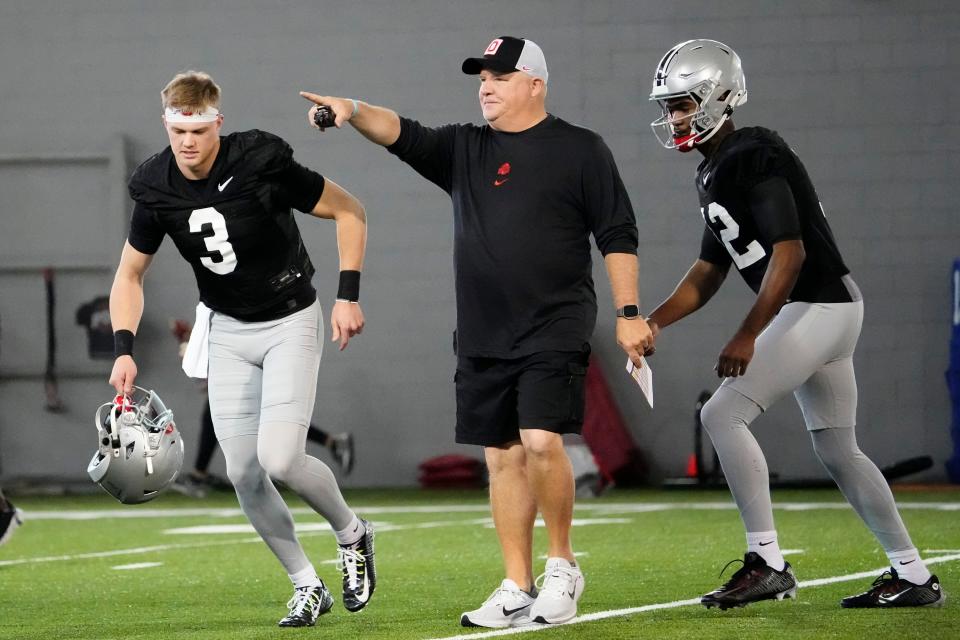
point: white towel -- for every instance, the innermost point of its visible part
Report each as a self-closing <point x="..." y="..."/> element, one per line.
<point x="197" y="355"/>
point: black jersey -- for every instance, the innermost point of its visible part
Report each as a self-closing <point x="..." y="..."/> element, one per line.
<point x="755" y="192"/>
<point x="235" y="227"/>
<point x="524" y="207"/>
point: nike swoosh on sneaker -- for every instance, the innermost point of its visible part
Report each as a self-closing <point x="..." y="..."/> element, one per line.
<point x="223" y="185"/>
<point x="889" y="599"/>
<point x="510" y="612"/>
<point x="365" y="594"/>
<point x="570" y="593"/>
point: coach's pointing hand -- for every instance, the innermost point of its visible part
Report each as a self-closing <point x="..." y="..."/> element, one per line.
<point x="343" y="108"/>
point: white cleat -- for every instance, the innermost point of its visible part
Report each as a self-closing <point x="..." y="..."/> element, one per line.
<point x="561" y="589"/>
<point x="507" y="606"/>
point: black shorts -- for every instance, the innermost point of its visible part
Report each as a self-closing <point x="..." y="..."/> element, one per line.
<point x="497" y="397"/>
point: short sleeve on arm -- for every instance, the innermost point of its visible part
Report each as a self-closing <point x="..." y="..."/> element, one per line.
<point x="146" y="234"/>
<point x="774" y="210"/>
<point x="299" y="186"/>
<point x="712" y="251"/>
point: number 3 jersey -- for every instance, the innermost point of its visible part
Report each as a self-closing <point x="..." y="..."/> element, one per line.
<point x="236" y="227"/>
<point x="755" y="192"/>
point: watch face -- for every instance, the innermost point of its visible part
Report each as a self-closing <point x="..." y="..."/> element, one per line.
<point x="629" y="311"/>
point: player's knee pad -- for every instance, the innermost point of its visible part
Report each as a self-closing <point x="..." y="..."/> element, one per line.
<point x="835" y="448"/>
<point x="727" y="409"/>
<point x="246" y="479"/>
<point x="281" y="465"/>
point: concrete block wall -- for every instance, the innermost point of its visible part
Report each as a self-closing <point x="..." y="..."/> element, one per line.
<point x="863" y="90"/>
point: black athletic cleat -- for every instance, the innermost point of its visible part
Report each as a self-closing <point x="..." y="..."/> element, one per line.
<point x="754" y="581"/>
<point x="306" y="605"/>
<point x="890" y="590"/>
<point x="356" y="562"/>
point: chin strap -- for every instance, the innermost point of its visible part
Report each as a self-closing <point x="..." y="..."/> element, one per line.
<point x="688" y="142"/>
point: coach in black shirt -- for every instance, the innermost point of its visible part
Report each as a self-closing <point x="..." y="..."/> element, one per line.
<point x="528" y="189"/>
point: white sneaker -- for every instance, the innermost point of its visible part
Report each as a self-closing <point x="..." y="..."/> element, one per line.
<point x="561" y="589"/>
<point x="507" y="606"/>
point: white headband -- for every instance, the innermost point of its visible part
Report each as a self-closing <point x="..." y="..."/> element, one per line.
<point x="177" y="115"/>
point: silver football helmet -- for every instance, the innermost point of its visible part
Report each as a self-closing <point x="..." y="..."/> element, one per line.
<point x="709" y="73"/>
<point x="140" y="450"/>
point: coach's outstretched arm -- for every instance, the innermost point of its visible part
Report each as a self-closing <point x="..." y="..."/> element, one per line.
<point x="377" y="124"/>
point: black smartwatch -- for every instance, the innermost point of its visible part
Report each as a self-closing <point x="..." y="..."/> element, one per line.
<point x="629" y="312"/>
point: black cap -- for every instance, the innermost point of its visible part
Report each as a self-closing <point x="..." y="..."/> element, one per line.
<point x="507" y="54"/>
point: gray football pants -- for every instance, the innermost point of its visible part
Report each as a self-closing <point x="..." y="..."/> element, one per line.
<point x="806" y="349"/>
<point x="262" y="387"/>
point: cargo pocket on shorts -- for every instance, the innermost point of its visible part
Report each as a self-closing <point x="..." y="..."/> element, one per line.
<point x="576" y="388"/>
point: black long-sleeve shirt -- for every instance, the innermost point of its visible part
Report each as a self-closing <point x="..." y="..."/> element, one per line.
<point x="524" y="206"/>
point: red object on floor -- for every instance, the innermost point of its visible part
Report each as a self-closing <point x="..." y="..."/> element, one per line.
<point x="452" y="471"/>
<point x="692" y="466"/>
<point x="606" y="433"/>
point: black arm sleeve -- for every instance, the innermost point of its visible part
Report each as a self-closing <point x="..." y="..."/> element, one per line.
<point x="299" y="186"/>
<point x="712" y="251"/>
<point x="146" y="234"/>
<point x="429" y="151"/>
<point x="774" y="210"/>
<point x="608" y="207"/>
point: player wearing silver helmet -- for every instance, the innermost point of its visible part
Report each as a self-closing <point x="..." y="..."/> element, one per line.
<point x="762" y="215"/>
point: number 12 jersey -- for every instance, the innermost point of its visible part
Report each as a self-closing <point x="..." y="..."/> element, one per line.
<point x="755" y="192"/>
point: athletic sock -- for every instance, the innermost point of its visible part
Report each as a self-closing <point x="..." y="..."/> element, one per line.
<point x="352" y="533"/>
<point x="305" y="578"/>
<point x="909" y="566"/>
<point x="765" y="545"/>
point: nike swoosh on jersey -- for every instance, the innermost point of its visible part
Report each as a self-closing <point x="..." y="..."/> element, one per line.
<point x="223" y="185"/>
<point x="510" y="612"/>
<point x="497" y="183"/>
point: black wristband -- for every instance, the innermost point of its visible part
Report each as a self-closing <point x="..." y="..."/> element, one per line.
<point x="122" y="343"/>
<point x="349" y="289"/>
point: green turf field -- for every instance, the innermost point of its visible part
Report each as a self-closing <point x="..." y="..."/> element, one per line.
<point x="647" y="556"/>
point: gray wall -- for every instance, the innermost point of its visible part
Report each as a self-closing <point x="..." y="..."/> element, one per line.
<point x="865" y="91"/>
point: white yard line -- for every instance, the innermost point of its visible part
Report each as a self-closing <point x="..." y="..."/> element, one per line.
<point x="305" y="531"/>
<point x="137" y="565"/>
<point x="218" y="543"/>
<point x="619" y="613"/>
<point x="604" y="508"/>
